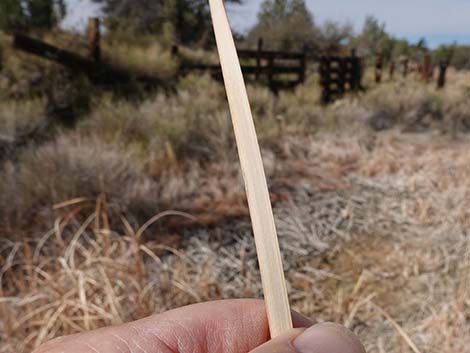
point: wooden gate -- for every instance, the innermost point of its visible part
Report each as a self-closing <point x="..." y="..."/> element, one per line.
<point x="339" y="75"/>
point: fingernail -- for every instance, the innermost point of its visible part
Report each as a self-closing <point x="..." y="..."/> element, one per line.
<point x="327" y="338"/>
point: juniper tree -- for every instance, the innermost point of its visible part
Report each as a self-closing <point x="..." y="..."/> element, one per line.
<point x="189" y="19"/>
<point x="30" y="14"/>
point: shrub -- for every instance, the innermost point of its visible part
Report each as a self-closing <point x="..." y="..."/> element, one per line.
<point x="20" y="116"/>
<point x="410" y="104"/>
<point x="150" y="59"/>
<point x="68" y="168"/>
<point x="457" y="103"/>
<point x="191" y="124"/>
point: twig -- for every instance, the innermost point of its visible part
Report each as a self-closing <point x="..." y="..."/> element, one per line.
<point x="399" y="329"/>
<point x="267" y="246"/>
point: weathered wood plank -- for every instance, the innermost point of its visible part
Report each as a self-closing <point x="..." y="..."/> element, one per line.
<point x="98" y="72"/>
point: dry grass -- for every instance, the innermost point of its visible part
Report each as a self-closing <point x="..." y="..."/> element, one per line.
<point x="148" y="58"/>
<point x="19" y="116"/>
<point x="391" y="236"/>
<point x="373" y="225"/>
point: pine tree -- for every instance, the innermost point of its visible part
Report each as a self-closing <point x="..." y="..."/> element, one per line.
<point x="189" y="19"/>
<point x="272" y="11"/>
<point x="12" y="15"/>
<point x="277" y="20"/>
<point x="18" y="15"/>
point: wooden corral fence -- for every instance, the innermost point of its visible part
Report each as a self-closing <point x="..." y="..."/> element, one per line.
<point x="405" y="62"/>
<point x="379" y="62"/>
<point x="441" y="78"/>
<point x="94" y="39"/>
<point x="278" y="69"/>
<point x="443" y="65"/>
<point x="339" y="75"/>
<point x="391" y="70"/>
<point x="426" y="68"/>
<point x="98" y="72"/>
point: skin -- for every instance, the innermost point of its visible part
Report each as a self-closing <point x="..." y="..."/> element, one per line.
<point x="229" y="326"/>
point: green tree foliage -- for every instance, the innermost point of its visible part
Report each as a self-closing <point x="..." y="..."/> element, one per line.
<point x="333" y="36"/>
<point x="422" y="44"/>
<point x="11" y="15"/>
<point x="386" y="46"/>
<point x="30" y="14"/>
<point x="188" y="20"/>
<point x="271" y="11"/>
<point x="401" y="48"/>
<point x="418" y="49"/>
<point x="461" y="57"/>
<point x="373" y="32"/>
<point x="374" y="39"/>
<point x="444" y="53"/>
<point x="44" y="14"/>
<point x="286" y="25"/>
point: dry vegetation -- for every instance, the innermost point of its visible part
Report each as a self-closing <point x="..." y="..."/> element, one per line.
<point x="140" y="208"/>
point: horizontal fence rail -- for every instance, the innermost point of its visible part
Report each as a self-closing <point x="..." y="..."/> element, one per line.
<point x="274" y="67"/>
<point x="98" y="72"/>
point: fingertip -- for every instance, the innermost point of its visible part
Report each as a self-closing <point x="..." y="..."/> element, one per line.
<point x="281" y="344"/>
<point x="328" y="338"/>
<point x="300" y="321"/>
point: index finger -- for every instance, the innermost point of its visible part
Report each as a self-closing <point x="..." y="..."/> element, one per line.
<point x="231" y="326"/>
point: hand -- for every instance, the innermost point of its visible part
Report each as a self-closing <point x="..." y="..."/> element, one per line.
<point x="230" y="326"/>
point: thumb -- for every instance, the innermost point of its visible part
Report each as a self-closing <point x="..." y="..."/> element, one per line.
<point x="322" y="338"/>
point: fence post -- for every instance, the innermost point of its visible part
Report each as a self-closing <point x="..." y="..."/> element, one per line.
<point x="303" y="65"/>
<point x="405" y="68"/>
<point x="324" y="69"/>
<point x="425" y="68"/>
<point x="1" y="58"/>
<point x="271" y="73"/>
<point x="174" y="51"/>
<point x="258" y="59"/>
<point x="378" y="68"/>
<point x="392" y="70"/>
<point x="355" y="71"/>
<point x="362" y="72"/>
<point x="441" y="79"/>
<point x="342" y="68"/>
<point x="94" y="38"/>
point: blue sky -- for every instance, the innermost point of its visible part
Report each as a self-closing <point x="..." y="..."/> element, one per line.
<point x="439" y="21"/>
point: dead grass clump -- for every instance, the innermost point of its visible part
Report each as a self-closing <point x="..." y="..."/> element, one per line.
<point x="357" y="235"/>
<point x="410" y="105"/>
<point x="457" y="103"/>
<point x="373" y="226"/>
<point x="20" y="116"/>
<point x="193" y="124"/>
<point x="100" y="279"/>
<point x="68" y="168"/>
<point x="301" y="109"/>
<point x="23" y="76"/>
<point x="347" y="112"/>
<point x="150" y="58"/>
<point x="117" y="121"/>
